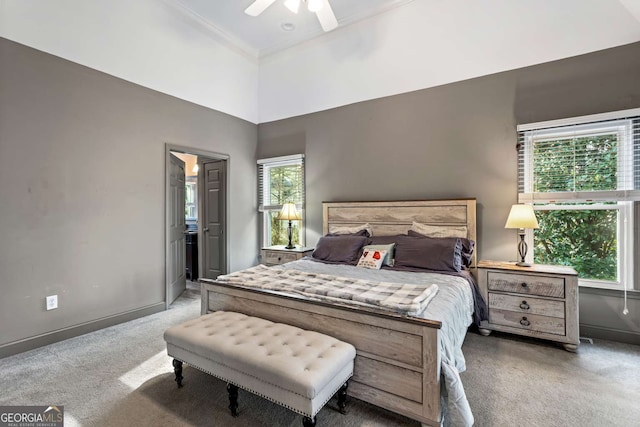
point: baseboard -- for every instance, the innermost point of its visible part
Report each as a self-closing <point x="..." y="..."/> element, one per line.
<point x="598" y="332"/>
<point x="16" y="347"/>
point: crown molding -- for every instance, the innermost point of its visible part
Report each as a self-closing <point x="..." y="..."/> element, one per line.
<point x="216" y="33"/>
<point x="236" y="44"/>
<point x="342" y="22"/>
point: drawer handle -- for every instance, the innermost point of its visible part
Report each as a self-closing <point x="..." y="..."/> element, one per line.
<point x="523" y="284"/>
<point x="524" y="305"/>
<point x="525" y="322"/>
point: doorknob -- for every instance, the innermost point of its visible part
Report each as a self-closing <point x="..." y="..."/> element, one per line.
<point x="206" y="230"/>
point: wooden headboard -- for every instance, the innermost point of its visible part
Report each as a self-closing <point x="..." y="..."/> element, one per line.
<point x="390" y="218"/>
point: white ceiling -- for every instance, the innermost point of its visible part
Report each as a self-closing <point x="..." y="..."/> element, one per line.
<point x="262" y="35"/>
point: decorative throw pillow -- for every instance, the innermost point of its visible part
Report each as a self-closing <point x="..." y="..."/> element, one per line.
<point x="439" y="230"/>
<point x="388" y="259"/>
<point x="372" y="258"/>
<point x="343" y="229"/>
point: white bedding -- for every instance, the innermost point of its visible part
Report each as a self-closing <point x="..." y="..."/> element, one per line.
<point x="452" y="306"/>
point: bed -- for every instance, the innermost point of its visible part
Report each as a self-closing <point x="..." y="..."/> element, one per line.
<point x="404" y="363"/>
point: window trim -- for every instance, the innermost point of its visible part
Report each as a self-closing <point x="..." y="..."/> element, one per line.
<point x="624" y="123"/>
<point x="264" y="165"/>
<point x="600" y="117"/>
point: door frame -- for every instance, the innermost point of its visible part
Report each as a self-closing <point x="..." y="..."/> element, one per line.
<point x="167" y="174"/>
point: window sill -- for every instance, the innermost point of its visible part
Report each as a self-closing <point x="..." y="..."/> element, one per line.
<point x="610" y="292"/>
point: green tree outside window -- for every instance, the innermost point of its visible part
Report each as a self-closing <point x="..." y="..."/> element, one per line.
<point x="285" y="185"/>
<point x="585" y="239"/>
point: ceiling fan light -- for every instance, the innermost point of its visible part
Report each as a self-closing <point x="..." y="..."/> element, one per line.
<point x="315" y="5"/>
<point x="292" y="5"/>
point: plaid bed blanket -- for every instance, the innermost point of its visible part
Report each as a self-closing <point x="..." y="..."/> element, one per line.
<point x="403" y="298"/>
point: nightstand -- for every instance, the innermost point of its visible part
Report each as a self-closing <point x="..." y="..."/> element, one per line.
<point x="275" y="255"/>
<point x="539" y="301"/>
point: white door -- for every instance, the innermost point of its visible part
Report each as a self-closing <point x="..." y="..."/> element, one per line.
<point x="176" y="271"/>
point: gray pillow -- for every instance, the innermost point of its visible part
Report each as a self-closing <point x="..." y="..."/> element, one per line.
<point x="345" y="249"/>
<point x="441" y="254"/>
<point x="468" y="246"/>
<point x="384" y="240"/>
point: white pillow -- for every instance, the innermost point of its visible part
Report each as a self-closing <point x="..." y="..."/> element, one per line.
<point x="372" y="259"/>
<point x="343" y="229"/>
<point x="388" y="259"/>
<point x="439" y="230"/>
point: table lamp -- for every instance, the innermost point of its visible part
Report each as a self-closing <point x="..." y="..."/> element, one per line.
<point x="521" y="217"/>
<point x="289" y="213"/>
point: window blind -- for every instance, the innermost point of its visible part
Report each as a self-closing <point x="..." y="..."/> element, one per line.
<point x="265" y="164"/>
<point x="592" y="158"/>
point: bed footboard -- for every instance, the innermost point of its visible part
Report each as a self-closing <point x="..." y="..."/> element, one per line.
<point x="397" y="366"/>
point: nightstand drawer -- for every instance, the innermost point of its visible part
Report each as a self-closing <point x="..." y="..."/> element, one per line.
<point x="278" y="257"/>
<point x="526" y="284"/>
<point x="530" y="322"/>
<point x="526" y="305"/>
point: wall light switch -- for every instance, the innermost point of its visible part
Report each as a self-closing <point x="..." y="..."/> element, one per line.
<point x="52" y="302"/>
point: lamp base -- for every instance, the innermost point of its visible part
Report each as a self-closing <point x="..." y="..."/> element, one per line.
<point x="290" y="235"/>
<point x="523" y="264"/>
<point x="522" y="251"/>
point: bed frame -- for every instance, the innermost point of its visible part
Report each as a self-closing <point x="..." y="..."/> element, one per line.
<point x="397" y="365"/>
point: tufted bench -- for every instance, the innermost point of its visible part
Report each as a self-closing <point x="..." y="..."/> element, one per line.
<point x="298" y="369"/>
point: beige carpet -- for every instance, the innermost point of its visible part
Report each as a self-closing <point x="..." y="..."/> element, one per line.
<point x="121" y="376"/>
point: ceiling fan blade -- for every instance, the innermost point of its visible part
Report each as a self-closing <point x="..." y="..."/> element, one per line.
<point x="326" y="17"/>
<point x="258" y="6"/>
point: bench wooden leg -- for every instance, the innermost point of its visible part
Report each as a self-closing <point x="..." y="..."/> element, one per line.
<point x="233" y="399"/>
<point x="309" y="422"/>
<point x="177" y="369"/>
<point x="342" y="398"/>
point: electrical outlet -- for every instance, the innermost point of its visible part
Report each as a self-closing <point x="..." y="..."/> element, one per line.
<point x="52" y="302"/>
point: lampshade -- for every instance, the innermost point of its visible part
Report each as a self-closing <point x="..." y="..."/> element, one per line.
<point x="521" y="216"/>
<point x="289" y="212"/>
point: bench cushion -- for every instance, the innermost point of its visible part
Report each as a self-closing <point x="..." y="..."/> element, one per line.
<point x="265" y="357"/>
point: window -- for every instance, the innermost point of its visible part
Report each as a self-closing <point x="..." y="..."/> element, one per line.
<point x="280" y="180"/>
<point x="583" y="177"/>
<point x="191" y="198"/>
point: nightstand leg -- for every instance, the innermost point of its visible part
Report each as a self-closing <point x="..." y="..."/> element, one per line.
<point x="484" y="332"/>
<point x="573" y="348"/>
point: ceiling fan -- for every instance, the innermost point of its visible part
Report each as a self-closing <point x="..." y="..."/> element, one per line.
<point x="322" y="8"/>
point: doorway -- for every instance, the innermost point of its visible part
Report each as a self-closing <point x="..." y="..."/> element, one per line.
<point x="196" y="217"/>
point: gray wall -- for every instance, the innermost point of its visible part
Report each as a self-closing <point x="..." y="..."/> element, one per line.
<point x="82" y="176"/>
<point x="458" y="140"/>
